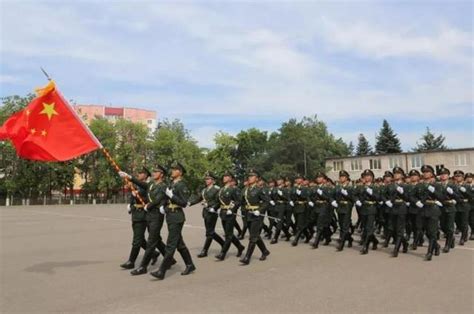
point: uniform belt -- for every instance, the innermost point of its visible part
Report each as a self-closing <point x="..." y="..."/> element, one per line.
<point x="321" y="202"/>
<point x="343" y="202"/>
<point x="465" y="200"/>
<point x="280" y="202"/>
<point x="174" y="207"/>
<point x="252" y="207"/>
<point x="370" y="202"/>
<point x="300" y="202"/>
<point x="226" y="206"/>
<point x="398" y="200"/>
<point x="138" y="206"/>
<point x="448" y="202"/>
<point x="430" y="202"/>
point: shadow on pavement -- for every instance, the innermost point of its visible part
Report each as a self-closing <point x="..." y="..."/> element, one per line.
<point x="49" y="267"/>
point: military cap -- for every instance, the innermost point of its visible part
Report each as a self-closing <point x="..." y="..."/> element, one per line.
<point x="427" y="168"/>
<point x="298" y="176"/>
<point x="145" y="171"/>
<point x="398" y="170"/>
<point x="209" y="174"/>
<point x="253" y="172"/>
<point x="368" y="172"/>
<point x="468" y="175"/>
<point x="178" y="166"/>
<point x="414" y="172"/>
<point x="159" y="168"/>
<point x="388" y="174"/>
<point x="378" y="180"/>
<point x="330" y="180"/>
<point x="320" y="174"/>
<point x="344" y="173"/>
<point x="458" y="173"/>
<point x="444" y="171"/>
<point x="228" y="174"/>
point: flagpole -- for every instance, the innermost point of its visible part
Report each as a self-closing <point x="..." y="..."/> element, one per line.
<point x="102" y="148"/>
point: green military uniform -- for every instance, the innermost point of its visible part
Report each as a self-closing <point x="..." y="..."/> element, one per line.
<point x="344" y="196"/>
<point x="470" y="176"/>
<point x="395" y="197"/>
<point x="449" y="198"/>
<point x="210" y="197"/>
<point x="323" y="197"/>
<point x="463" y="207"/>
<point x="156" y="200"/>
<point x="256" y="203"/>
<point x="414" y="217"/>
<point x="178" y="197"/>
<point x="368" y="195"/>
<point x="230" y="199"/>
<point x="281" y="198"/>
<point x="300" y="197"/>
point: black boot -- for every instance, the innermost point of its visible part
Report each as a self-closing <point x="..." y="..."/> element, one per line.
<point x="238" y="245"/>
<point x="218" y="239"/>
<point x="205" y="248"/>
<point x="453" y="242"/>
<point x="365" y="247"/>
<point x="263" y="249"/>
<point x="472" y="236"/>
<point x="317" y="239"/>
<point x="429" y="254"/>
<point x="447" y="245"/>
<point x="165" y="265"/>
<point x="375" y="242"/>
<point x="130" y="264"/>
<point x="405" y="245"/>
<point x="387" y="239"/>
<point x="223" y="253"/>
<point x="154" y="258"/>
<point x="342" y="241"/>
<point x="396" y="249"/>
<point x="297" y="238"/>
<point x="139" y="271"/>
<point x="463" y="237"/>
<point x="248" y="255"/>
<point x="188" y="261"/>
<point x="436" y="248"/>
<point x="350" y="240"/>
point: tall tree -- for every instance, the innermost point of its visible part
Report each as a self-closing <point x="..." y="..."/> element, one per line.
<point x="363" y="146"/>
<point x="387" y="140"/>
<point x="350" y="148"/>
<point x="430" y="142"/>
<point x="221" y="158"/>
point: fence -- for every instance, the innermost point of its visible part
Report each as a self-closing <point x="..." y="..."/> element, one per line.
<point x="63" y="200"/>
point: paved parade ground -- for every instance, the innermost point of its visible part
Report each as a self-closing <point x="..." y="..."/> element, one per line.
<point x="66" y="259"/>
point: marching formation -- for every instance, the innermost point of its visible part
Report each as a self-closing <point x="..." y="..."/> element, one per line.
<point x="398" y="208"/>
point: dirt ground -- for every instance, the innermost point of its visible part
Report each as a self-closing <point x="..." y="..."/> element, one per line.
<point x="66" y="259"/>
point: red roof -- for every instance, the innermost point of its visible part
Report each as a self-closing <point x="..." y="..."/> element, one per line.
<point x="111" y="111"/>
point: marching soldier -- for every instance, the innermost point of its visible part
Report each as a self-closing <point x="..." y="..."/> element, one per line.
<point x="395" y="198"/>
<point x="368" y="197"/>
<point x="210" y="197"/>
<point x="299" y="197"/>
<point x="344" y="196"/>
<point x="289" y="209"/>
<point x="449" y="198"/>
<point x="230" y="199"/>
<point x="282" y="197"/>
<point x="139" y="219"/>
<point x="256" y="203"/>
<point x="243" y="212"/>
<point x="233" y="183"/>
<point x="415" y="222"/>
<point x="469" y="182"/>
<point x="178" y="196"/>
<point x="323" y="204"/>
<point x="426" y="200"/>
<point x="463" y="207"/>
<point x="385" y="212"/>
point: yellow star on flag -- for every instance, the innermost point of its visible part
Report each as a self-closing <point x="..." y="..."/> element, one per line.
<point x="43" y="133"/>
<point x="48" y="109"/>
<point x="33" y="131"/>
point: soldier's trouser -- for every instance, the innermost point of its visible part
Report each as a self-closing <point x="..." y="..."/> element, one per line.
<point x="388" y="227"/>
<point x="282" y="224"/>
<point x="175" y="239"/>
<point x="430" y="225"/>
<point x="272" y="222"/>
<point x="324" y="221"/>
<point x="255" y="227"/>
<point x="447" y="223"/>
<point x="155" y="223"/>
<point x="415" y="226"/>
<point x="368" y="222"/>
<point x="399" y="225"/>
<point x="245" y="225"/>
<point x="228" y="225"/>
<point x="210" y="221"/>
<point x="471" y="220"/>
<point x="289" y="219"/>
<point x="138" y="241"/>
<point x="462" y="220"/>
<point x="344" y="220"/>
<point x="313" y="220"/>
<point x="300" y="225"/>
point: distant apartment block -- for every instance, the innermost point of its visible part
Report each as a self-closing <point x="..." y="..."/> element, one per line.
<point x="453" y="159"/>
<point x="146" y="117"/>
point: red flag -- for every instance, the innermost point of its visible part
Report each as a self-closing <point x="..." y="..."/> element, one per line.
<point x="48" y="129"/>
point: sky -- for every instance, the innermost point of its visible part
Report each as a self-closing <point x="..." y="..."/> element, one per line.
<point x="232" y="65"/>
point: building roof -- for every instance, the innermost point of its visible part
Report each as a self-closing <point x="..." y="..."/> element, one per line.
<point x="404" y="153"/>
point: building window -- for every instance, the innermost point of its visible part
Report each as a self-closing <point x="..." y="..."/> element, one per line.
<point x="150" y="121"/>
<point x="338" y="165"/>
<point x="356" y="164"/>
<point x="395" y="162"/>
<point x="461" y="159"/>
<point x="375" y="164"/>
<point x="417" y="161"/>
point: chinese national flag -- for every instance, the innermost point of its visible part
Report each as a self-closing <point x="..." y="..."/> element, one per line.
<point x="48" y="129"/>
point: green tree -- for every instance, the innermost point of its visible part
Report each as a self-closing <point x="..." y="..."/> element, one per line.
<point x="222" y="157"/>
<point x="430" y="142"/>
<point x="387" y="140"/>
<point x="363" y="146"/>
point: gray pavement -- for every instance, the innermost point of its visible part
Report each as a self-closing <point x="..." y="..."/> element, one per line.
<point x="66" y="259"/>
